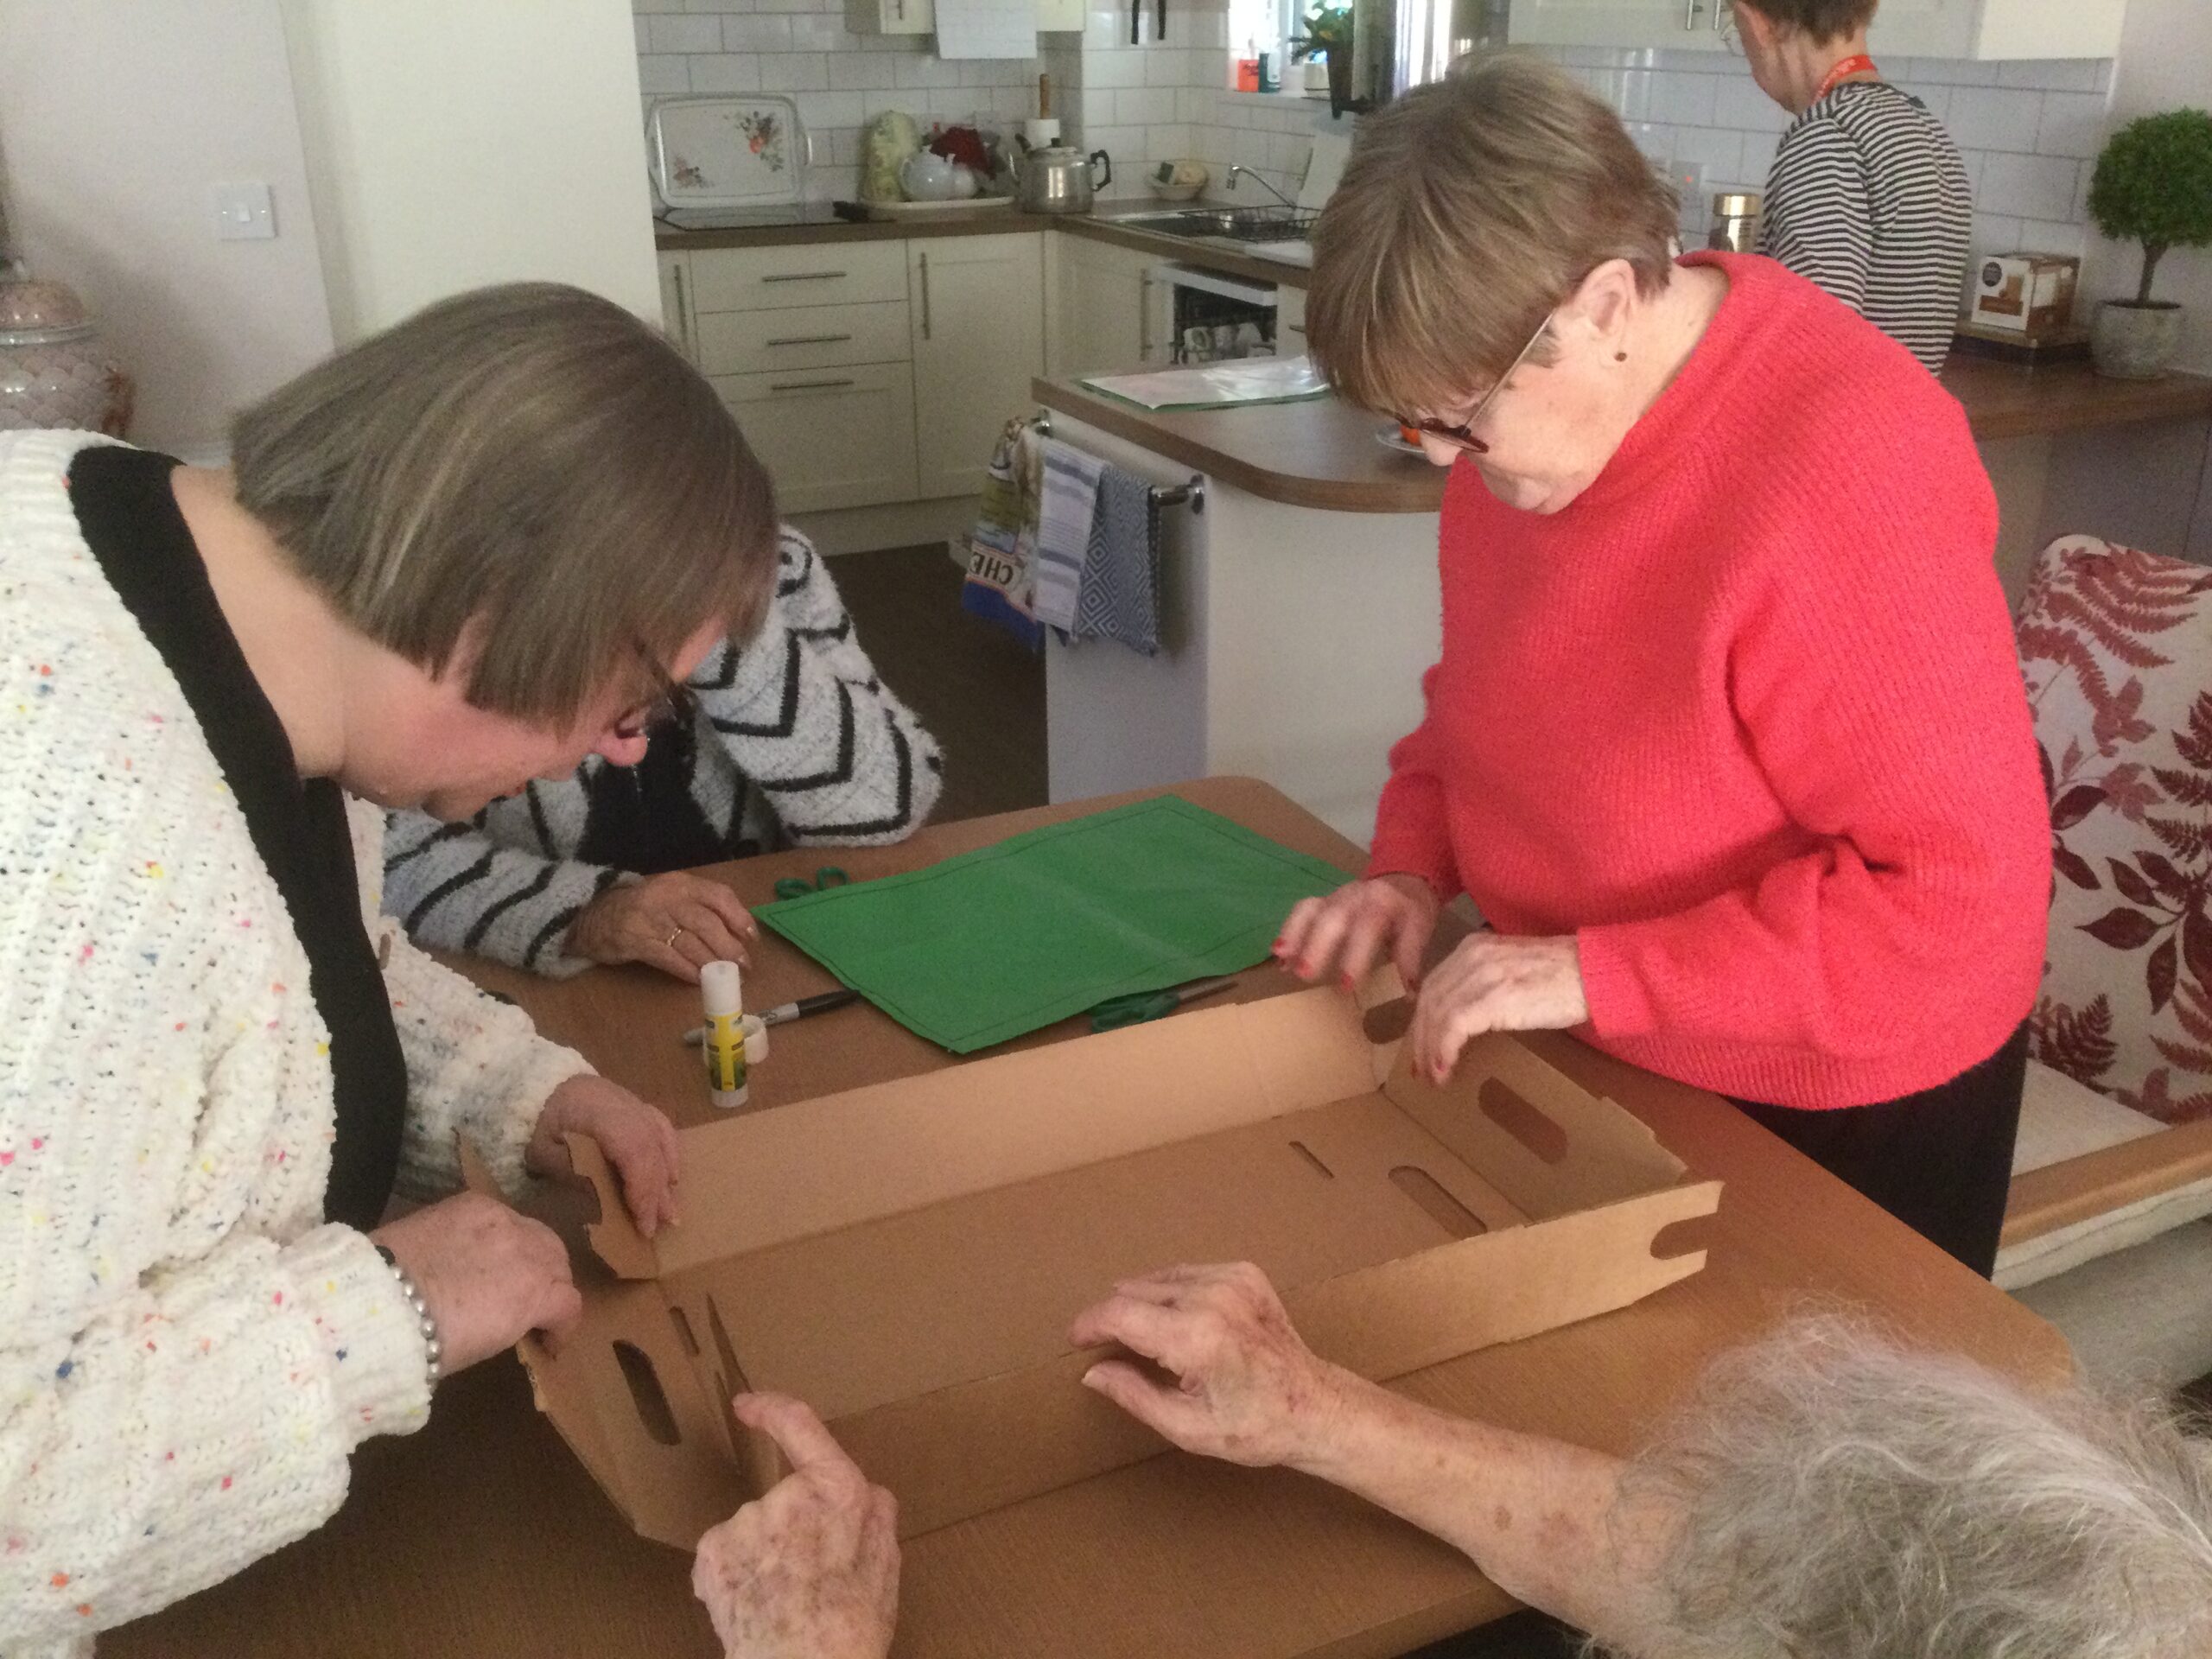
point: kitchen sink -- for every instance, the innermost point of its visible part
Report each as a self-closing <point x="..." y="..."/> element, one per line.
<point x="1231" y="224"/>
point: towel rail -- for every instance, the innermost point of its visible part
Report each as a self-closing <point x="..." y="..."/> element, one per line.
<point x="1192" y="495"/>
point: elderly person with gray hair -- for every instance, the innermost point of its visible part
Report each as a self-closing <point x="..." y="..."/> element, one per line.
<point x="1824" y="1494"/>
<point x="464" y="553"/>
<point x="1727" y="742"/>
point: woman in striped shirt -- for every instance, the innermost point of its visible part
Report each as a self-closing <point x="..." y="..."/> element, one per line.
<point x="1867" y="195"/>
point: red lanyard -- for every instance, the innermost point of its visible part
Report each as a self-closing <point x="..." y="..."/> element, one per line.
<point x="1860" y="65"/>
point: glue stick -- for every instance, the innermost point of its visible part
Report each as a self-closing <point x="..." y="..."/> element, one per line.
<point x="725" y="1041"/>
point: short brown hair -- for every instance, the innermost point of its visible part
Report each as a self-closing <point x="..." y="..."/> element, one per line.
<point x="1822" y="21"/>
<point x="1470" y="208"/>
<point x="530" y="455"/>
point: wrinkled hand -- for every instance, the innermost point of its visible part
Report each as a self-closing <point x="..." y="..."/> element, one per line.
<point x="810" y="1571"/>
<point x="1492" y="982"/>
<point x="489" y="1276"/>
<point x="1240" y="1384"/>
<point x="1346" y="932"/>
<point x="634" y="922"/>
<point x="638" y="1138"/>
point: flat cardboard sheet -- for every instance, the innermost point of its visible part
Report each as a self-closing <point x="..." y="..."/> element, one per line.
<point x="984" y="947"/>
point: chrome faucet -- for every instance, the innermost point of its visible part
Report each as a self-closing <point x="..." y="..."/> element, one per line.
<point x="1262" y="183"/>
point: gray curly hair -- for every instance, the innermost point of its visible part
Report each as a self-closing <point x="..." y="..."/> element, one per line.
<point x="1838" y="1497"/>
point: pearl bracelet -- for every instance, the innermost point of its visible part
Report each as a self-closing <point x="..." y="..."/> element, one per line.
<point x="413" y="1298"/>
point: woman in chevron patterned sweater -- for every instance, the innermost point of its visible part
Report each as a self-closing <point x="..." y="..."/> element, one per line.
<point x="785" y="738"/>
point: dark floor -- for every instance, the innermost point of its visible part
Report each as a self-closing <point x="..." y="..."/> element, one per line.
<point x="979" y="692"/>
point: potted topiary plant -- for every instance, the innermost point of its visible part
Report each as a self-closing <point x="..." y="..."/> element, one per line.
<point x="2153" y="185"/>
<point x="1329" y="36"/>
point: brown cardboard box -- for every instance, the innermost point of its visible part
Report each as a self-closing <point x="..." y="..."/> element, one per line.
<point x="2025" y="293"/>
<point x="906" y="1257"/>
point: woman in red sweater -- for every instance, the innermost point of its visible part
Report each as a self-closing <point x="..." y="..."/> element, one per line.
<point x="1727" y="742"/>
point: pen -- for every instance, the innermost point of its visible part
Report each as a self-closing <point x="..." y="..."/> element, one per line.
<point x="784" y="1012"/>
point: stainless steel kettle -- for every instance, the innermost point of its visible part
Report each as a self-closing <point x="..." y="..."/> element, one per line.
<point x="1059" y="180"/>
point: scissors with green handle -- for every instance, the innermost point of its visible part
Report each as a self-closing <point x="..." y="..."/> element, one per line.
<point x="798" y="886"/>
<point x="1138" y="1007"/>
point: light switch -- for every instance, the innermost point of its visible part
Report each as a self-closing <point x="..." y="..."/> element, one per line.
<point x="244" y="213"/>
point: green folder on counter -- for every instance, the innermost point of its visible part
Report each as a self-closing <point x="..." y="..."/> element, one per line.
<point x="992" y="943"/>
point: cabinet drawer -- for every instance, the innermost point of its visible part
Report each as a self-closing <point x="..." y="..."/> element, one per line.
<point x="837" y="438"/>
<point x="807" y="337"/>
<point x="823" y="273"/>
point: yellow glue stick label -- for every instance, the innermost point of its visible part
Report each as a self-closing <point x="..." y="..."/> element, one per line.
<point x="725" y="1051"/>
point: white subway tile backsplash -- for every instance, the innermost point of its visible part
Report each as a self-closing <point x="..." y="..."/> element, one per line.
<point x="1152" y="106"/>
<point x="2053" y="236"/>
<point x="2074" y="123"/>
<point x="1995" y="117"/>
<point x="2028" y="187"/>
<point x="2053" y="74"/>
<point x="662" y="74"/>
<point x="727" y="71"/>
<point x="757" y="33"/>
<point x="1737" y="102"/>
<point x="1167" y="67"/>
<point x="795" y="72"/>
<point x="1682" y="100"/>
<point x="644" y="40"/>
<point x="820" y="110"/>
<point x="1758" y="158"/>
<point x="683" y="33"/>
<point x="918" y="71"/>
<point x="1121" y="67"/>
<point x="642" y="7"/>
<point x="860" y="71"/>
<point x="1720" y="151"/>
<point x="1995" y="233"/>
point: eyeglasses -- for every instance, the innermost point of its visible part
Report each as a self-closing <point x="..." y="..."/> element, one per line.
<point x="1463" y="434"/>
<point x="674" y="706"/>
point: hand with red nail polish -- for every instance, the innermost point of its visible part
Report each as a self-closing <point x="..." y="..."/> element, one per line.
<point x="1347" y="933"/>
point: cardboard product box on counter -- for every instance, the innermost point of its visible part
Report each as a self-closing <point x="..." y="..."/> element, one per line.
<point x="906" y="1257"/>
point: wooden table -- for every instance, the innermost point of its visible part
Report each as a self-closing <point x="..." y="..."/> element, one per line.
<point x="481" y="1534"/>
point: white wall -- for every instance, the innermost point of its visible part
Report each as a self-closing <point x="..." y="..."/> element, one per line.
<point x="115" y="118"/>
<point x="2166" y="62"/>
<point x="455" y="142"/>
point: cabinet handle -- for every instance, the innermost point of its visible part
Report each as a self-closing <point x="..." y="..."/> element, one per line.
<point x="1689" y="17"/>
<point x="809" y="385"/>
<point x="812" y="339"/>
<point x="925" y="295"/>
<point x="803" y="276"/>
<point x="1295" y="328"/>
<point x="1723" y="12"/>
<point x="682" y="323"/>
<point x="1144" y="318"/>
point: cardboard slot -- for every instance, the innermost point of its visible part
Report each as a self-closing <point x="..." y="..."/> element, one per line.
<point x="1439" y="1205"/>
<point x="1386" y="1022"/>
<point x="684" y="1331"/>
<point x="1307" y="1153"/>
<point x="1522" y="1121"/>
<point x="646" y="1393"/>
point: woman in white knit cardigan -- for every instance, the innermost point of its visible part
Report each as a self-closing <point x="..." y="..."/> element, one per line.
<point x="469" y="552"/>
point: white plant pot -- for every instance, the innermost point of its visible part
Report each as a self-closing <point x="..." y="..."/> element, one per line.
<point x="2133" y="341"/>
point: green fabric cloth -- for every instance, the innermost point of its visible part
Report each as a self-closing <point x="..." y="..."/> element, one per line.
<point x="1000" y="941"/>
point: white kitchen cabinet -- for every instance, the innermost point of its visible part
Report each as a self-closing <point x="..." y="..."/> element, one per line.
<point x="1984" y="29"/>
<point x="1290" y="320"/>
<point x="976" y="308"/>
<point x="1059" y="14"/>
<point x="890" y="16"/>
<point x="811" y="337"/>
<point x="841" y="437"/>
<point x="676" y="318"/>
<point x="1101" y="305"/>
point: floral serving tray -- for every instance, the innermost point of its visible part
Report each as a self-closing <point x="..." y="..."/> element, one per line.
<point x="727" y="152"/>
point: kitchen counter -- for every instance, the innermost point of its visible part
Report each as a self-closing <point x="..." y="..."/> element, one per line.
<point x="815" y="223"/>
<point x="1323" y="454"/>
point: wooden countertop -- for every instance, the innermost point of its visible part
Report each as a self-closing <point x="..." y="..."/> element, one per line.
<point x="818" y="227"/>
<point x="482" y="1536"/>
<point x="1323" y="454"/>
